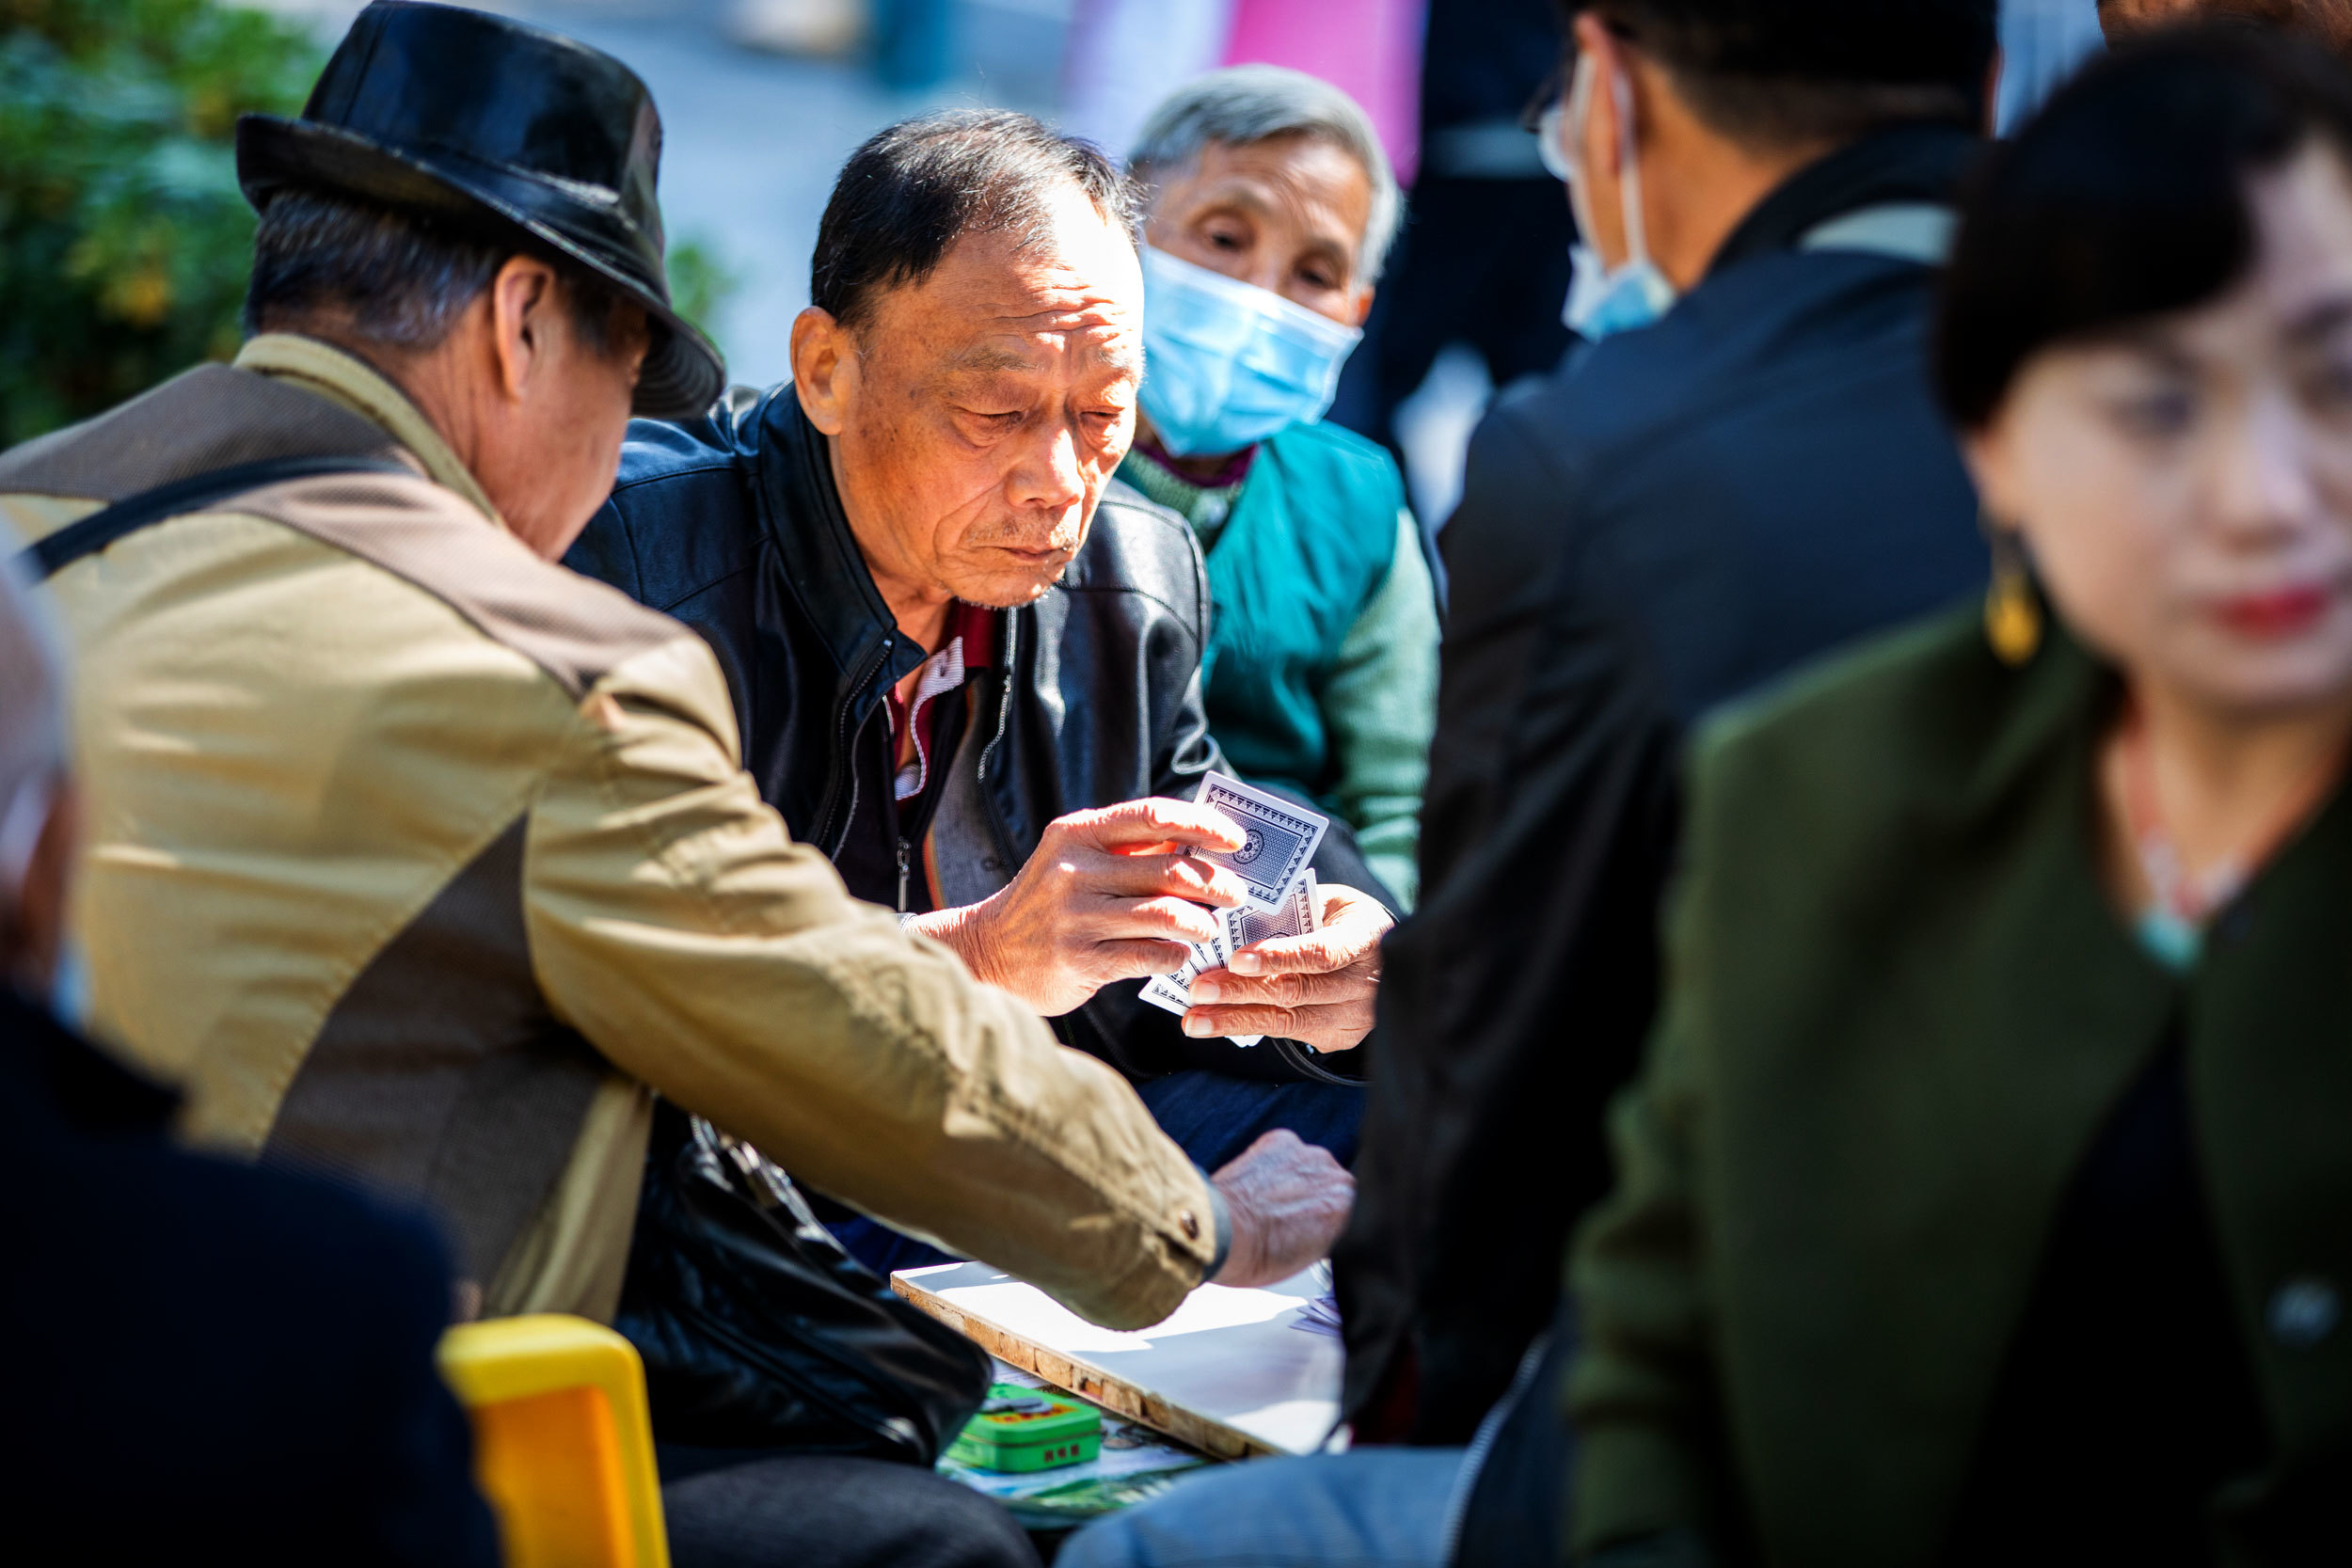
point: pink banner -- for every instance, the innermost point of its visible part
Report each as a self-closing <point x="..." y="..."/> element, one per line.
<point x="1368" y="48"/>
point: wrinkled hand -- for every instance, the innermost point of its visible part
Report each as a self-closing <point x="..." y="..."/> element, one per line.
<point x="1318" y="988"/>
<point x="1110" y="895"/>
<point x="1288" y="1201"/>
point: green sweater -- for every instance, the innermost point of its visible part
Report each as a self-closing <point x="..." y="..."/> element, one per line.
<point x="1902" y="1006"/>
<point x="1321" y="672"/>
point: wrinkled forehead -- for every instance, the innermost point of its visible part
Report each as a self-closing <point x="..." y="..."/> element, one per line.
<point x="1303" y="179"/>
<point x="1065" y="292"/>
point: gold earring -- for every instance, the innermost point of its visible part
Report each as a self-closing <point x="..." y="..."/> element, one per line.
<point x="2012" y="612"/>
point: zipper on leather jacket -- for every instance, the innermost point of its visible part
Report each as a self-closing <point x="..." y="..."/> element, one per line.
<point x="903" y="875"/>
<point x="1006" y="667"/>
<point x="844" y="759"/>
<point x="1090" y="1012"/>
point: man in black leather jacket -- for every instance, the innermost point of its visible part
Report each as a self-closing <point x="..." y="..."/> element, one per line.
<point x="963" y="660"/>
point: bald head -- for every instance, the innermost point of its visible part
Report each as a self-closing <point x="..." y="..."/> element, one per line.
<point x="2330" y="21"/>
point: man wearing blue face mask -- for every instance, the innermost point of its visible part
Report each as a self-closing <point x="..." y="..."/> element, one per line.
<point x="1743" y="469"/>
<point x="1270" y="206"/>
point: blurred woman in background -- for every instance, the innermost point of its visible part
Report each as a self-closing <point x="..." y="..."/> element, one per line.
<point x="1989" y="1190"/>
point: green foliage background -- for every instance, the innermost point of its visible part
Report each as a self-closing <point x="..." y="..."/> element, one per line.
<point x="124" y="243"/>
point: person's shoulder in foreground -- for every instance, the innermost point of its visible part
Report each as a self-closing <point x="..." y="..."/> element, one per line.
<point x="1920" y="710"/>
<point x="1864" y="814"/>
<point x="681" y="519"/>
<point x="208" y="1353"/>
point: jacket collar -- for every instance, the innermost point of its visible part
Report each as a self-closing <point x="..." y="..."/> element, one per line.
<point x="345" y="378"/>
<point x="823" y="568"/>
<point x="1903" y="164"/>
<point x="2029" y="719"/>
<point x="96" y="1092"/>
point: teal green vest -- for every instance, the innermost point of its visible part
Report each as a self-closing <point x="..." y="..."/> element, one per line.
<point x="1311" y="541"/>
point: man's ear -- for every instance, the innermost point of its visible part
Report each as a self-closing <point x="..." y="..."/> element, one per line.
<point x="1604" y="126"/>
<point x="525" y="298"/>
<point x="824" y="370"/>
<point x="1360" y="306"/>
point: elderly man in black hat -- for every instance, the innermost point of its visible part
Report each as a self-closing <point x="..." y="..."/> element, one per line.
<point x="414" y="855"/>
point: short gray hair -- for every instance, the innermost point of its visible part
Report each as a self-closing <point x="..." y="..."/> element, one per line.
<point x="1247" y="104"/>
<point x="400" y="278"/>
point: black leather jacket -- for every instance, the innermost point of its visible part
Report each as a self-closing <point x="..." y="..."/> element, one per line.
<point x="732" y="524"/>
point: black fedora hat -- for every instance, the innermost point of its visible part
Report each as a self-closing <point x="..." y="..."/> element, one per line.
<point x="490" y="124"/>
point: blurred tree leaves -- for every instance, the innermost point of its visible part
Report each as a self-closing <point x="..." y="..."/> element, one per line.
<point x="701" y="282"/>
<point x="123" y="242"/>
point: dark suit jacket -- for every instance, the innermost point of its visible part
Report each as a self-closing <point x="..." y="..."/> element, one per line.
<point x="207" y="1362"/>
<point x="1903" y="1008"/>
<point x="1679" y="515"/>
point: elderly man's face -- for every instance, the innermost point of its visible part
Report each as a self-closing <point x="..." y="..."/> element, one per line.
<point x="1286" y="213"/>
<point x="977" y="416"/>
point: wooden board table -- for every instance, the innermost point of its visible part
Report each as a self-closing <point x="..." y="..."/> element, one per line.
<point x="1229" y="1372"/>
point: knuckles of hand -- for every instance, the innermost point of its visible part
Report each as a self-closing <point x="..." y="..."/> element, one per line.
<point x="1285" y="990"/>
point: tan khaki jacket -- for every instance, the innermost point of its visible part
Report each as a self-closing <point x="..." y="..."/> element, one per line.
<point x="416" y="856"/>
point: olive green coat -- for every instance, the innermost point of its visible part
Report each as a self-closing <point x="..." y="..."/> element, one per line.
<point x="1901" y="1007"/>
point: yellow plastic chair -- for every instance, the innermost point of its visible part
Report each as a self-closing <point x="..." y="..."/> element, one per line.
<point x="562" y="1441"/>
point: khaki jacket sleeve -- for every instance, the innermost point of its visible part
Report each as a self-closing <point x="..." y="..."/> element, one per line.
<point x="673" y="922"/>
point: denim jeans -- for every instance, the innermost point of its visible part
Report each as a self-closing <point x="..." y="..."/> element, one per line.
<point x="1210" y="1117"/>
<point x="820" y="1510"/>
<point x="1214" y="1117"/>
<point x="1374" y="1508"/>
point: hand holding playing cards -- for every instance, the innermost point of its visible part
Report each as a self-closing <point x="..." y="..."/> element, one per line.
<point x="1110" y="895"/>
<point x="1288" y="1201"/>
<point x="1317" y="989"/>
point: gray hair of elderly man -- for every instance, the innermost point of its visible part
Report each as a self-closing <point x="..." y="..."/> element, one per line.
<point x="1246" y="103"/>
<point x="32" y="727"/>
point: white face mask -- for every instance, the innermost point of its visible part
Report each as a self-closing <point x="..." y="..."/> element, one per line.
<point x="1603" y="301"/>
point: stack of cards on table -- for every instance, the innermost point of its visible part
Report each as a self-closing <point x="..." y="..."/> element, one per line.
<point x="1272" y="865"/>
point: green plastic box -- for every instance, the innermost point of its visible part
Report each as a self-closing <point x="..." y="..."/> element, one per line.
<point x="1021" y="1430"/>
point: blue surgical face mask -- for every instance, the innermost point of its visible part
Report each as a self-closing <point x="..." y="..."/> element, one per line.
<point x="1604" y="300"/>
<point x="1603" y="303"/>
<point x="1228" y="364"/>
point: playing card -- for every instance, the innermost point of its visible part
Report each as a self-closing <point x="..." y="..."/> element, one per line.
<point x="1301" y="912"/>
<point x="1174" y="991"/>
<point x="1281" y="838"/>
